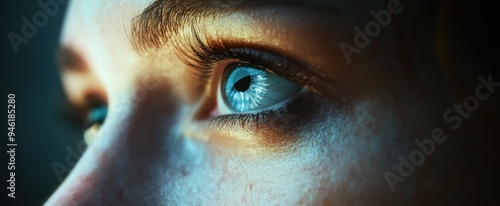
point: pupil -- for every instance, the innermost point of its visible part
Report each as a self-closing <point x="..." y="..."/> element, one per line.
<point x="243" y="84"/>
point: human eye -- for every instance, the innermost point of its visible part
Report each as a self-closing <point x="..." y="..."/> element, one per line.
<point x="94" y="120"/>
<point x="257" y="94"/>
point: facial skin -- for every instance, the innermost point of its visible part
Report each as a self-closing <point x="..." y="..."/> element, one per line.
<point x="162" y="142"/>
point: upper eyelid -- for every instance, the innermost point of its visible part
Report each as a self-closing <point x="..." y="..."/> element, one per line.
<point x="201" y="56"/>
<point x="197" y="54"/>
<point x="194" y="29"/>
<point x="200" y="51"/>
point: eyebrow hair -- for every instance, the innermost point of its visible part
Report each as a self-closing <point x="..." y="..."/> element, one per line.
<point x="157" y="22"/>
<point x="163" y="19"/>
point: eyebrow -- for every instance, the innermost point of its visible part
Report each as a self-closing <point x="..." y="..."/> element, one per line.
<point x="163" y="19"/>
<point x="69" y="59"/>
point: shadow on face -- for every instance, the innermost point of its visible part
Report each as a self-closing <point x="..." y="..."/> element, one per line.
<point x="266" y="102"/>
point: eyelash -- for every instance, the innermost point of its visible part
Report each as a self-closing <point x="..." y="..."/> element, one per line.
<point x="248" y="119"/>
<point x="203" y="57"/>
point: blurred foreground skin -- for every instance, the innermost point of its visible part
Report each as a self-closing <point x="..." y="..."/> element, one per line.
<point x="162" y="143"/>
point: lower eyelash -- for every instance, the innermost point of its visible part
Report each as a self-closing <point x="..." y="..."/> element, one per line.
<point x="282" y="112"/>
<point x="255" y="120"/>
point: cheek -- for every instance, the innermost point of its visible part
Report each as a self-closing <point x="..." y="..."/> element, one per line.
<point x="367" y="144"/>
<point x="220" y="176"/>
<point x="341" y="158"/>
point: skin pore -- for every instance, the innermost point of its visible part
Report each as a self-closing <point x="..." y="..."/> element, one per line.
<point x="166" y="140"/>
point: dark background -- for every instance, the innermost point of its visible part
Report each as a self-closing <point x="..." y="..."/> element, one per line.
<point x="43" y="131"/>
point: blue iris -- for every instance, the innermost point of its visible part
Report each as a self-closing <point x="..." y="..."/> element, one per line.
<point x="97" y="115"/>
<point x="248" y="88"/>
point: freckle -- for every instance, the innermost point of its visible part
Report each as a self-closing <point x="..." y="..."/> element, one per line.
<point x="250" y="186"/>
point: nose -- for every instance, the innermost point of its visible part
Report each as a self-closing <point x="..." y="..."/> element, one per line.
<point x="139" y="147"/>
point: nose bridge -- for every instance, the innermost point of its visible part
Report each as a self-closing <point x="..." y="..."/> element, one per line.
<point x="144" y="125"/>
<point x="139" y="140"/>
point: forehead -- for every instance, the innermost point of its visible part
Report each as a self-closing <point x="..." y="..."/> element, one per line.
<point x="115" y="8"/>
<point x="119" y="13"/>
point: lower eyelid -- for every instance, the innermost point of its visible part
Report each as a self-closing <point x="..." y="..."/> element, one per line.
<point x="276" y="109"/>
<point x="272" y="128"/>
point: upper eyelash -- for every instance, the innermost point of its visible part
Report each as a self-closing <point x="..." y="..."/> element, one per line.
<point x="201" y="56"/>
